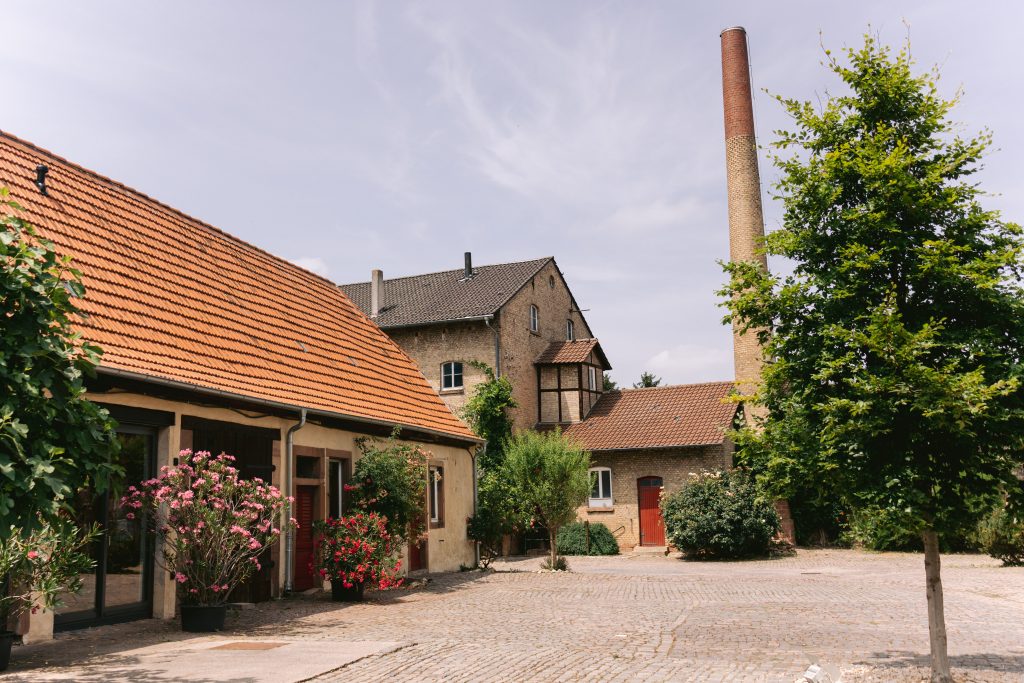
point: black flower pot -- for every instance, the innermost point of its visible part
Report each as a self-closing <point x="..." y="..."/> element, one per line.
<point x="6" y="640"/>
<point x="203" y="618"/>
<point x="341" y="594"/>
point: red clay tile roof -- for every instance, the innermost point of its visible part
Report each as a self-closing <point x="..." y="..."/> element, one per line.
<point x="658" y="417"/>
<point x="172" y="298"/>
<point x="571" y="352"/>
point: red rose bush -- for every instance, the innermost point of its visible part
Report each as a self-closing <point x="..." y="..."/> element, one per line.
<point x="356" y="550"/>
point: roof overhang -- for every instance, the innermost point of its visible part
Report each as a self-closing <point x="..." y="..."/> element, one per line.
<point x="358" y="423"/>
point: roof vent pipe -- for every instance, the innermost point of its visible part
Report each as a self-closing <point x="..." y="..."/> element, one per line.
<point x="376" y="289"/>
<point x="468" y="273"/>
<point x="41" y="172"/>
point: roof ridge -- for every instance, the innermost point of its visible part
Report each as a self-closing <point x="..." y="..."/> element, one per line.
<point x="156" y="202"/>
<point x="543" y="259"/>
<point x="675" y="386"/>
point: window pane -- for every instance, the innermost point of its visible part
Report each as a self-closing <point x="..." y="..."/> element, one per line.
<point x="456" y="375"/>
<point x="606" y="484"/>
<point x="595" y="489"/>
<point x="126" y="541"/>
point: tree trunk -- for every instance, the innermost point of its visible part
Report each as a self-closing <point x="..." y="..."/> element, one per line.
<point x="552" y="536"/>
<point x="936" y="615"/>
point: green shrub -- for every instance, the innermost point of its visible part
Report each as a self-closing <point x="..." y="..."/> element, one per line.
<point x="391" y="480"/>
<point x="1001" y="535"/>
<point x="888" y="530"/>
<point x="720" y="515"/>
<point x="572" y="540"/>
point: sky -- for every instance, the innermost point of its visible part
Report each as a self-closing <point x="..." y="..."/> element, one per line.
<point x="360" y="135"/>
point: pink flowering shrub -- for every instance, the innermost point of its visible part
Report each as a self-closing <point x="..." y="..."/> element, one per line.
<point x="213" y="524"/>
<point x="356" y="550"/>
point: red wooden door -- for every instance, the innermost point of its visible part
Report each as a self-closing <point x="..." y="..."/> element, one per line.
<point x="305" y="513"/>
<point x="652" y="527"/>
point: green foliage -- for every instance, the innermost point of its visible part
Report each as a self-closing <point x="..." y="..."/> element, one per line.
<point x="550" y="474"/>
<point x="487" y="413"/>
<point x="647" y="379"/>
<point x="572" y="540"/>
<point x="499" y="512"/>
<point x="720" y="515"/>
<point x="41" y="563"/>
<point x="1001" y="535"/>
<point x="896" y="343"/>
<point x="390" y="479"/>
<point x="609" y="383"/>
<point x="52" y="440"/>
<point x="556" y="564"/>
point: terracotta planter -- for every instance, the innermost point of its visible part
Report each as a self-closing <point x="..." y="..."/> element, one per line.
<point x="341" y="594"/>
<point x="203" y="618"/>
<point x="6" y="640"/>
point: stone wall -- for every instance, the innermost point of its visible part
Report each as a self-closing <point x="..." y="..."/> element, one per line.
<point x="673" y="466"/>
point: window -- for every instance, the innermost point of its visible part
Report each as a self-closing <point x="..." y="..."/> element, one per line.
<point x="601" y="487"/>
<point x="451" y="375"/>
<point x="593" y="378"/>
<point x="570" y="330"/>
<point x="534" y="318"/>
<point x="435" y="496"/>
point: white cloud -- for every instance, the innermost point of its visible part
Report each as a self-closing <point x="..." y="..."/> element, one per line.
<point x="313" y="264"/>
<point x="686" y="363"/>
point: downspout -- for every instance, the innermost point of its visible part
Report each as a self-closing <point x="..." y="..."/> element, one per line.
<point x="476" y="544"/>
<point x="289" y="468"/>
<point x="497" y="345"/>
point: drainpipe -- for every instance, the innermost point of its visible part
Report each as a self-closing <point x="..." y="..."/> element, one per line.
<point x="289" y="468"/>
<point x="497" y="345"/>
<point x="476" y="544"/>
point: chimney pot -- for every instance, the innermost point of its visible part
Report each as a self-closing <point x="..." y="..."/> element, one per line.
<point x="376" y="290"/>
<point x="468" y="272"/>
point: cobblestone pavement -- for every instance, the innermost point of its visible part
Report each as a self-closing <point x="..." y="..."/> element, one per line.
<point x="650" y="618"/>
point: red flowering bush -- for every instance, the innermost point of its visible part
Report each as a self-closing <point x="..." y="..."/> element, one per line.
<point x="356" y="550"/>
<point x="213" y="524"/>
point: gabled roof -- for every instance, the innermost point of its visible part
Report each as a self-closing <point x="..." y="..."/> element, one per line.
<point x="657" y="417"/>
<point x="171" y="298"/>
<point x="572" y="352"/>
<point x="446" y="296"/>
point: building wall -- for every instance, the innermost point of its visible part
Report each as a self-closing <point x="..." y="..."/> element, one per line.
<point x="673" y="466"/>
<point x="448" y="548"/>
<point x="520" y="347"/>
<point x="432" y="345"/>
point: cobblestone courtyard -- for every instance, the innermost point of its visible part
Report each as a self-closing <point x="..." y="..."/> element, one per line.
<point x="634" y="617"/>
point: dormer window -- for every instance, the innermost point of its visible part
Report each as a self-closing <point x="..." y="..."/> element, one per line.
<point x="451" y="376"/>
<point x="534" y="319"/>
<point x="570" y="331"/>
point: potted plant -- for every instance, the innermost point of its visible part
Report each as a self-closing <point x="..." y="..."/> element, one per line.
<point x="213" y="526"/>
<point x="36" y="566"/>
<point x="353" y="551"/>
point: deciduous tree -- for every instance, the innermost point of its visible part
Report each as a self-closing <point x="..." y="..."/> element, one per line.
<point x="893" y="350"/>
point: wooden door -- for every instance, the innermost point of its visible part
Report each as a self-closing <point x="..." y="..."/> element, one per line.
<point x="305" y="513"/>
<point x="652" y="527"/>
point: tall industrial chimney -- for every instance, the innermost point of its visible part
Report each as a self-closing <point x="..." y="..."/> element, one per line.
<point x="746" y="220"/>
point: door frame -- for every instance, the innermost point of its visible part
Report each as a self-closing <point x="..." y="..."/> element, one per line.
<point x="639" y="510"/>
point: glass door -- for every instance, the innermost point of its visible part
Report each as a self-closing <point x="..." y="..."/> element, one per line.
<point x="121" y="588"/>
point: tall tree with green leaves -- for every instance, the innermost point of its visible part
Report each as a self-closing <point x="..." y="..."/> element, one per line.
<point x="894" y="349"/>
<point x="52" y="439"/>
<point x="608" y="384"/>
<point x="551" y="474"/>
<point x="647" y="380"/>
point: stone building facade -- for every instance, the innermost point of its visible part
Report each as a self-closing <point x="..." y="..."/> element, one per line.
<point x="506" y="316"/>
<point x="647" y="442"/>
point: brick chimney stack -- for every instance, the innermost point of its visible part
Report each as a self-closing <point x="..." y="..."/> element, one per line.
<point x="746" y="220"/>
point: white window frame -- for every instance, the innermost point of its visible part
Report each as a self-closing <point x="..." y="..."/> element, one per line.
<point x="592" y="376"/>
<point x="436" y="473"/>
<point x="448" y="374"/>
<point x="604" y="498"/>
<point x="534" y="318"/>
<point x="570" y="330"/>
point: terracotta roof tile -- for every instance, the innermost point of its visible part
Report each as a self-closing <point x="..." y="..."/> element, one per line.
<point x="658" y="417"/>
<point x="571" y="352"/>
<point x="170" y="297"/>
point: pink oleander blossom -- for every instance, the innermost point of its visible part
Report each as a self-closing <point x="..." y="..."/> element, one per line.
<point x="214" y="525"/>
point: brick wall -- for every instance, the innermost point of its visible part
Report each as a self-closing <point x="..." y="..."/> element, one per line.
<point x="673" y="466"/>
<point x="520" y="347"/>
